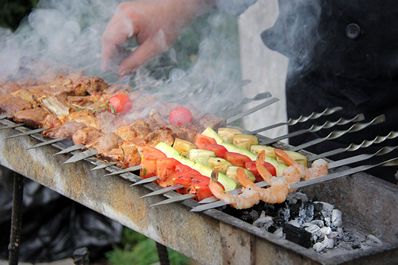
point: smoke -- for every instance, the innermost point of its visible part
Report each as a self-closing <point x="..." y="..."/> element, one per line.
<point x="295" y="32"/>
<point x="65" y="36"/>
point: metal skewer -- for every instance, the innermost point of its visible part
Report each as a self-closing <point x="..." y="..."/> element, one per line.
<point x="336" y="134"/>
<point x="70" y="149"/>
<point x="12" y="126"/>
<point x="301" y="119"/>
<point x="240" y="115"/>
<point x="145" y="181"/>
<point x="3" y="116"/>
<point x="343" y="162"/>
<point x="259" y="96"/>
<point x="316" y="128"/>
<point x="53" y="141"/>
<point x="81" y="156"/>
<point x="103" y="166"/>
<point x="390" y="162"/>
<point x="130" y="169"/>
<point x="163" y="191"/>
<point x="355" y="147"/>
<point x="27" y="133"/>
<point x="178" y="198"/>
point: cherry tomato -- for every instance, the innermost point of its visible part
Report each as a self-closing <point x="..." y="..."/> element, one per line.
<point x="120" y="103"/>
<point x="219" y="150"/>
<point x="201" y="141"/>
<point x="180" y="116"/>
<point x="251" y="166"/>
<point x="236" y="159"/>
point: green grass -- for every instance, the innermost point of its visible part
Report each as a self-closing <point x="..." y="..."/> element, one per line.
<point x="138" y="250"/>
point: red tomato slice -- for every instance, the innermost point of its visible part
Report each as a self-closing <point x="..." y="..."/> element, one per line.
<point x="185" y="181"/>
<point x="251" y="166"/>
<point x="201" y="141"/>
<point x="201" y="190"/>
<point x="120" y="103"/>
<point x="237" y="159"/>
<point x="219" y="150"/>
<point x="165" y="170"/>
<point x="148" y="169"/>
<point x="180" y="116"/>
<point x="152" y="153"/>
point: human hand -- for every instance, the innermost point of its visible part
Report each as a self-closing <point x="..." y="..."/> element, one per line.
<point x="155" y="24"/>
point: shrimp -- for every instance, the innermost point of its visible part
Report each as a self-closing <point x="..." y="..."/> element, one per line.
<point x="264" y="173"/>
<point x="276" y="193"/>
<point x="318" y="168"/>
<point x="294" y="172"/>
<point x="247" y="198"/>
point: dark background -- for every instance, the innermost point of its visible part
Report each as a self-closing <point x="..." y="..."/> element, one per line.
<point x="12" y="12"/>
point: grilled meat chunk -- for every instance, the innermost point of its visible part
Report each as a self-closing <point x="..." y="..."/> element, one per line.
<point x="141" y="128"/>
<point x="10" y="104"/>
<point x="51" y="121"/>
<point x="126" y="132"/>
<point x="86" y="136"/>
<point x="126" y="155"/>
<point x="65" y="131"/>
<point x="32" y="117"/>
<point x="106" y="142"/>
<point x="86" y="117"/>
<point x="162" y="135"/>
<point x="211" y="121"/>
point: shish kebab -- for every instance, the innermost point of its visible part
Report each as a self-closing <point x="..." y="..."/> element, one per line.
<point x="90" y="124"/>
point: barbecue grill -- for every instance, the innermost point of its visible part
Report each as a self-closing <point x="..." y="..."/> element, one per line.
<point x="213" y="237"/>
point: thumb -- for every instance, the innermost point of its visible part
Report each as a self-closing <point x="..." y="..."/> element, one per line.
<point x="144" y="53"/>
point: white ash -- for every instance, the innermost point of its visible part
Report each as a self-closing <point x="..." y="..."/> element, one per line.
<point x="373" y="241"/>
<point x="321" y="219"/>
<point x="326" y="243"/>
<point x="264" y="221"/>
<point x="279" y="233"/>
<point x="337" y="220"/>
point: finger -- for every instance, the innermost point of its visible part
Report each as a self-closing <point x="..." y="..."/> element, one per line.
<point x="119" y="29"/>
<point x="145" y="52"/>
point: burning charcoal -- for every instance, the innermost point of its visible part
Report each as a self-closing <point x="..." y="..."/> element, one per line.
<point x="283" y="215"/>
<point x="264" y="222"/>
<point x="336" y="218"/>
<point x="326" y="243"/>
<point x="295" y="223"/>
<point x="297" y="235"/>
<point x="311" y="228"/>
<point x="294" y="198"/>
<point x="249" y="216"/>
<point x="295" y="209"/>
<point x="373" y="241"/>
<point x="319" y="223"/>
<point x="306" y="213"/>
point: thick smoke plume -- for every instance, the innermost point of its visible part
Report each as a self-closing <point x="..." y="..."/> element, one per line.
<point x="65" y="36"/>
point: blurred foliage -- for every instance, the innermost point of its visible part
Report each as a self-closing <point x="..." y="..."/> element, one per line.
<point x="12" y="11"/>
<point x="138" y="250"/>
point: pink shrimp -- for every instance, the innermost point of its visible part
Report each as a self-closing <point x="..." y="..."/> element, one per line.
<point x="276" y="193"/>
<point x="247" y="198"/>
<point x="318" y="169"/>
